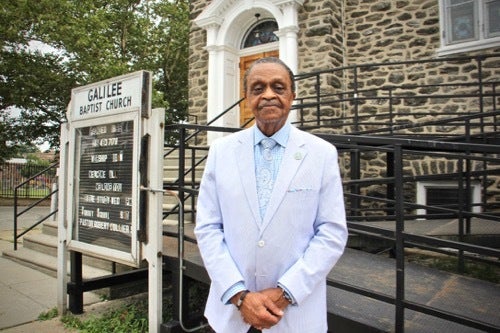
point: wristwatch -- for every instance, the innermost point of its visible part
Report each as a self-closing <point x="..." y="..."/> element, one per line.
<point x="286" y="296"/>
<point x="242" y="297"/>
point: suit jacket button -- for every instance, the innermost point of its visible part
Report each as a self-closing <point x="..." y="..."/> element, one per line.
<point x="261" y="243"/>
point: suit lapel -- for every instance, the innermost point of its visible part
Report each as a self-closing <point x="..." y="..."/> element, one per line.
<point x="292" y="159"/>
<point x="246" y="167"/>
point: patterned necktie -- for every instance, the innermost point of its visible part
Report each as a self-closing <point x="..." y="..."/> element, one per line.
<point x="265" y="174"/>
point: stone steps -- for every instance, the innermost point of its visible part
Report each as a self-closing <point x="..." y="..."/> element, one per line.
<point x="47" y="263"/>
<point x="40" y="249"/>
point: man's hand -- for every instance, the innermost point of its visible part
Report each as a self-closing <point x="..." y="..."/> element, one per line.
<point x="276" y="295"/>
<point x="259" y="310"/>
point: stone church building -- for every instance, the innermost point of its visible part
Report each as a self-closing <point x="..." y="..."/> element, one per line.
<point x="311" y="35"/>
<point x="226" y="36"/>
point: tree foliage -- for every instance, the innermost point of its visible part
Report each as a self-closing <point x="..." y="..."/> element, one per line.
<point x="84" y="41"/>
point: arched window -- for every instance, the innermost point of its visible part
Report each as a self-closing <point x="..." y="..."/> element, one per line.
<point x="262" y="33"/>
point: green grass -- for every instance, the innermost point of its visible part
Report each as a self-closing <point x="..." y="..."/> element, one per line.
<point x="27" y="193"/>
<point x="133" y="316"/>
<point x="50" y="314"/>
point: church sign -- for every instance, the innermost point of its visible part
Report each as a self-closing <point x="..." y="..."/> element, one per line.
<point x="106" y="124"/>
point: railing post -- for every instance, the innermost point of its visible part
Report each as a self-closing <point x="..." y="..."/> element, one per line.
<point x="480" y="90"/>
<point x="390" y="186"/>
<point x="468" y="168"/>
<point x="355" y="175"/>
<point x="391" y="115"/>
<point x="400" y="268"/>
<point x="461" y="201"/>
<point x="355" y="99"/>
<point x="193" y="182"/>
<point x="15" y="219"/>
<point x="318" y="99"/>
<point x="179" y="295"/>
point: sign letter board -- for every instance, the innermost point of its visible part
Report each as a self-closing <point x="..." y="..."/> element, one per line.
<point x="105" y="124"/>
<point x="104" y="210"/>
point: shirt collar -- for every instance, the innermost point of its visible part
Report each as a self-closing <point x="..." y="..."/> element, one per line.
<point x="281" y="137"/>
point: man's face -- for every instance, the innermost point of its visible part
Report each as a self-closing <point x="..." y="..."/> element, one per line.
<point x="269" y="95"/>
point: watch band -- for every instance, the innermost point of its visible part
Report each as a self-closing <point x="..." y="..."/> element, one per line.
<point x="242" y="297"/>
<point x="286" y="296"/>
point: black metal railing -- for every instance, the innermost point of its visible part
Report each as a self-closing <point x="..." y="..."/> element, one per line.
<point x="396" y="127"/>
<point x="20" y="190"/>
<point x="391" y="203"/>
<point x="196" y="161"/>
<point x="361" y="100"/>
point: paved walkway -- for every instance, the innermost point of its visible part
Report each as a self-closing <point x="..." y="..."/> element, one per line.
<point x="25" y="293"/>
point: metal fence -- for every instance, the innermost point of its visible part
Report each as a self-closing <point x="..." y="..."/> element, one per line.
<point x="13" y="174"/>
<point x="394" y="217"/>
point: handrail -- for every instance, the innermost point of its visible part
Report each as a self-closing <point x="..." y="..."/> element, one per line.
<point x="402" y="239"/>
<point x="36" y="203"/>
<point x="386" y="137"/>
<point x="402" y="62"/>
<point x="389" y="103"/>
<point x="189" y="137"/>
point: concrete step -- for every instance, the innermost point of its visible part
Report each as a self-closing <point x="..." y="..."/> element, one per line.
<point x="200" y="152"/>
<point x="172" y="171"/>
<point x="187" y="181"/>
<point x="170" y="206"/>
<point x="47" y="244"/>
<point x="169" y="199"/>
<point x="47" y="263"/>
<point x="173" y="217"/>
<point x="49" y="228"/>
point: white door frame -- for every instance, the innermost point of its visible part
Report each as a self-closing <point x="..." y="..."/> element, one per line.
<point x="226" y="23"/>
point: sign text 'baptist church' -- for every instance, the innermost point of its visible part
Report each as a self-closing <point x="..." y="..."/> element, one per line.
<point x="107" y="97"/>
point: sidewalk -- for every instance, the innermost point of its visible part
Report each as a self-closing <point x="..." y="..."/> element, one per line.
<point x="25" y="293"/>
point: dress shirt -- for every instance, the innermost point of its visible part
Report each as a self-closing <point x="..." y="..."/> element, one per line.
<point x="281" y="138"/>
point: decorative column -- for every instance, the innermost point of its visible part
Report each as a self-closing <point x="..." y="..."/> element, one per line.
<point x="288" y="33"/>
<point x="288" y="38"/>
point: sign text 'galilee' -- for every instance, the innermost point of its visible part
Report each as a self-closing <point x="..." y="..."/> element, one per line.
<point x="107" y="97"/>
<point x="104" y="211"/>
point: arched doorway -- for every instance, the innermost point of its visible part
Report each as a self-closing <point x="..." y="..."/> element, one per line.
<point x="262" y="32"/>
<point x="227" y="25"/>
<point x="245" y="62"/>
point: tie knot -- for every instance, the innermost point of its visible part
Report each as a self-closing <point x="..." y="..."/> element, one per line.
<point x="268" y="143"/>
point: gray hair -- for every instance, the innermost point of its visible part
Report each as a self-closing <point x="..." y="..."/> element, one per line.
<point x="269" y="60"/>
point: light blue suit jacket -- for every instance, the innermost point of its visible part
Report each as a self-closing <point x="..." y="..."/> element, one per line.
<point x="299" y="240"/>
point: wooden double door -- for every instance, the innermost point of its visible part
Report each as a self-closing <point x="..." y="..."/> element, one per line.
<point x="245" y="62"/>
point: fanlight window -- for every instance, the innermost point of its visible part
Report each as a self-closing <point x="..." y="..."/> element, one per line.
<point x="262" y="33"/>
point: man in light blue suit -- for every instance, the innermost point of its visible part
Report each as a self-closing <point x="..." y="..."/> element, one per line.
<point x="270" y="219"/>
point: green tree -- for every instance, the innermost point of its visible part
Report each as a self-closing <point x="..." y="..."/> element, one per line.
<point x="85" y="41"/>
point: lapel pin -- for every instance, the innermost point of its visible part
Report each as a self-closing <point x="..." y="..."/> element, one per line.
<point x="298" y="156"/>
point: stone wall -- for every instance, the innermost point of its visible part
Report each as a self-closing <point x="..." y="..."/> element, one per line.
<point x="379" y="31"/>
<point x="340" y="33"/>
<point x="352" y="33"/>
<point x="198" y="65"/>
<point x="321" y="47"/>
